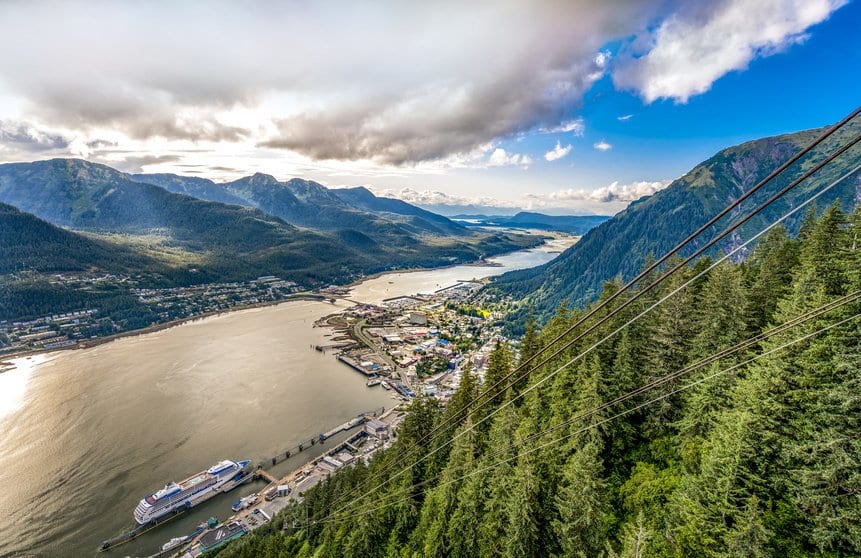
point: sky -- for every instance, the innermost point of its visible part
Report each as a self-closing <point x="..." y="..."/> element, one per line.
<point x="565" y="107"/>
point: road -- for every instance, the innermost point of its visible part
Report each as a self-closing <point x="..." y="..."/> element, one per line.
<point x="358" y="330"/>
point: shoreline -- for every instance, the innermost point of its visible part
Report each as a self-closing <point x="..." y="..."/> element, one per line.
<point x="548" y="237"/>
<point x="5" y="360"/>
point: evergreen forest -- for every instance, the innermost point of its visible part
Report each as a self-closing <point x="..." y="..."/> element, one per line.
<point x="724" y="422"/>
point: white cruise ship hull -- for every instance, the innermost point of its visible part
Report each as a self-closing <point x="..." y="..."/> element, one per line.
<point x="191" y="492"/>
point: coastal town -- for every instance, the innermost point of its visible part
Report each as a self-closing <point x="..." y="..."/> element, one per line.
<point x="418" y="345"/>
<point x="404" y="346"/>
<point x="154" y="307"/>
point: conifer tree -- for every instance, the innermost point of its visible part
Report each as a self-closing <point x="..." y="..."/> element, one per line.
<point x="498" y="367"/>
<point x="522" y="538"/>
<point x="529" y="347"/>
<point x="500" y="484"/>
<point x="581" y="504"/>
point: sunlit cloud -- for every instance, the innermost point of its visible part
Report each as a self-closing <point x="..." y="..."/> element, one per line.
<point x="558" y="152"/>
<point x="701" y="42"/>
<point x="576" y="126"/>
<point x="605" y="199"/>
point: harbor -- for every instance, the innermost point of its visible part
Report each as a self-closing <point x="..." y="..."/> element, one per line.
<point x="260" y="473"/>
<point x="246" y="384"/>
<point x="254" y="511"/>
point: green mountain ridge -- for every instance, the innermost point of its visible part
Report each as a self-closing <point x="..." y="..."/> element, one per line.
<point x="310" y="204"/>
<point x="28" y="243"/>
<point x="655" y="224"/>
<point x="195" y="240"/>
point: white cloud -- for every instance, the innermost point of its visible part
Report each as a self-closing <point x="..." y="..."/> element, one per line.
<point x="695" y="46"/>
<point x="502" y="158"/>
<point x="603" y="200"/>
<point x="386" y="81"/>
<point x="558" y="152"/>
<point x="378" y="86"/>
<point x="624" y="117"/>
<point x="602" y="146"/>
<point x="615" y="192"/>
<point x="577" y="126"/>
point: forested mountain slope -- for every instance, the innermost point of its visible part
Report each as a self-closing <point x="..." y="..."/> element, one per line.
<point x="653" y="225"/>
<point x="755" y="454"/>
<point x="217" y="241"/>
<point x="310" y="204"/>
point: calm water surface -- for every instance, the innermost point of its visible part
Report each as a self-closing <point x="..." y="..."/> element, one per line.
<point x="85" y="434"/>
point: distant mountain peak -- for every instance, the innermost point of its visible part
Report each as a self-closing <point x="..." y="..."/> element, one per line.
<point x="260" y="177"/>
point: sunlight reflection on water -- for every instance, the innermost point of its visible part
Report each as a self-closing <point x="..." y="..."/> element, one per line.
<point x="13" y="382"/>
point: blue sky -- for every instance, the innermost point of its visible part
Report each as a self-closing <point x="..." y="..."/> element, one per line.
<point x="808" y="85"/>
<point x="446" y="104"/>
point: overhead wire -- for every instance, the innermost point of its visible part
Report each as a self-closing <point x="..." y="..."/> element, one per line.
<point x="569" y="435"/>
<point x="490" y="392"/>
<point x="774" y="197"/>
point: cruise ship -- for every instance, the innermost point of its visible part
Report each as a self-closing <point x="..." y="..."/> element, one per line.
<point x="221" y="477"/>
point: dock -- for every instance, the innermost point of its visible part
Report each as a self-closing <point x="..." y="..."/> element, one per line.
<point x="355" y="366"/>
<point x="265" y="475"/>
<point x="346" y="426"/>
<point x="334" y="346"/>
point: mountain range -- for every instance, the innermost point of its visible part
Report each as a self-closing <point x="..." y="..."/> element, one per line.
<point x="619" y="247"/>
<point x="310" y="204"/>
<point x="193" y="230"/>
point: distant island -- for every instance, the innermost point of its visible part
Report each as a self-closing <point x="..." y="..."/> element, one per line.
<point x="572" y="224"/>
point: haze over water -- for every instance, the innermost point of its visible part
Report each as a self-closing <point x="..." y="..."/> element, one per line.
<point x="85" y="434"/>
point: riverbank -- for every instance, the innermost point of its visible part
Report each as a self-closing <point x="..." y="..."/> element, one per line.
<point x="90" y="343"/>
<point x="247" y="385"/>
<point x="549" y="239"/>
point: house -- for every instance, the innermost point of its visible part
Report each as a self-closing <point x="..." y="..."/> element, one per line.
<point x="377" y="428"/>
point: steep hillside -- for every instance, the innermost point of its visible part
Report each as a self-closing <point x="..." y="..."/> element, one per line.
<point x="653" y="225"/>
<point x="28" y="243"/>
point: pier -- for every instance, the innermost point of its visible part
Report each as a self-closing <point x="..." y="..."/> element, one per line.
<point x="260" y="473"/>
<point x="265" y="475"/>
<point x="355" y="366"/>
<point x="334" y="346"/>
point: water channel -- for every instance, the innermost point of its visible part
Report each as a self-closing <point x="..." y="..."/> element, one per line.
<point x="85" y="434"/>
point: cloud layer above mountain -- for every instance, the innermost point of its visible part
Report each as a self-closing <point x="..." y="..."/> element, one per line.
<point x="391" y="82"/>
<point x="603" y="200"/>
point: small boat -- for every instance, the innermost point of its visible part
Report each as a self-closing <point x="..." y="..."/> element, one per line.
<point x="174" y="542"/>
<point x="243" y="503"/>
<point x="386" y="385"/>
<point x="373" y="382"/>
